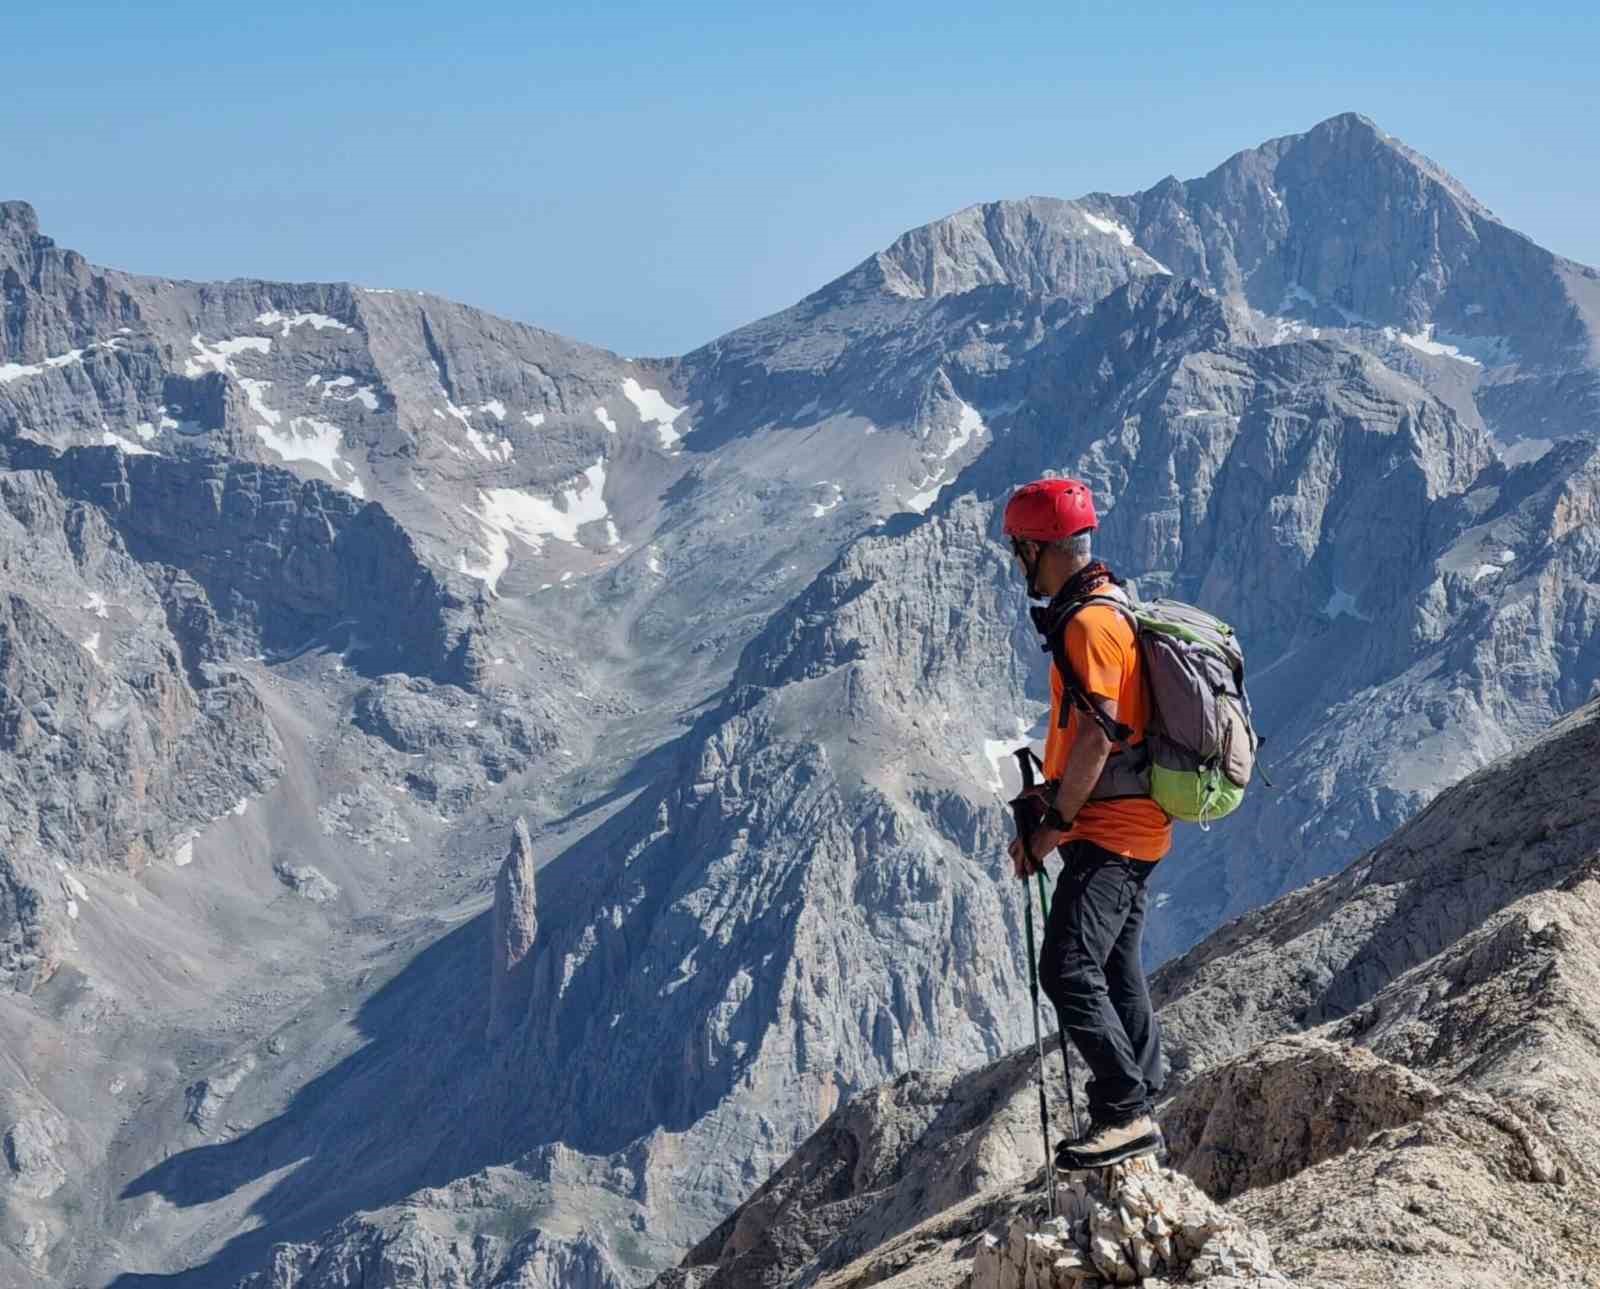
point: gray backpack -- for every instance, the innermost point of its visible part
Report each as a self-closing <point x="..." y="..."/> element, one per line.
<point x="1200" y="746"/>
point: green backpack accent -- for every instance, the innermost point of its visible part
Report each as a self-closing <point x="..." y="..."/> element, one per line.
<point x="1200" y="746"/>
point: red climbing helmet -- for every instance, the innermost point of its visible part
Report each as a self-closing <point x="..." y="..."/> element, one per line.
<point x="1047" y="510"/>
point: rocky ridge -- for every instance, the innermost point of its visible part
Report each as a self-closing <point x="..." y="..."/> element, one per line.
<point x="1389" y="1086"/>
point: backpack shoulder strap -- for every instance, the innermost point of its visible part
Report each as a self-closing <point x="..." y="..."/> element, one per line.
<point x="1056" y="644"/>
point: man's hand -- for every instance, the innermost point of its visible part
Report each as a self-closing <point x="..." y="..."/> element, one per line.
<point x="1044" y="841"/>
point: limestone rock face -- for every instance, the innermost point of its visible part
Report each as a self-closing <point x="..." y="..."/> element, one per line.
<point x="409" y="1250"/>
<point x="120" y="732"/>
<point x="516" y="923"/>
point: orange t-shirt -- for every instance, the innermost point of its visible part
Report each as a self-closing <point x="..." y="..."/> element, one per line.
<point x="1105" y="659"/>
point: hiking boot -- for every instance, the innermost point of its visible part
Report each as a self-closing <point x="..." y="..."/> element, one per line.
<point x="1068" y="1145"/>
<point x="1112" y="1143"/>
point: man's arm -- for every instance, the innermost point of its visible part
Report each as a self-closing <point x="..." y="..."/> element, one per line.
<point x="1085" y="761"/>
<point x="1096" y="647"/>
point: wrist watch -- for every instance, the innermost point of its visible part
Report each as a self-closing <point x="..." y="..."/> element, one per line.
<point x="1055" y="820"/>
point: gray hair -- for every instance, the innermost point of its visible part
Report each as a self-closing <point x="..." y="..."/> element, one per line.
<point x="1078" y="547"/>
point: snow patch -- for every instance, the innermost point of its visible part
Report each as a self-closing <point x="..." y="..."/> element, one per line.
<point x="96" y="604"/>
<point x="254" y="391"/>
<point x="651" y="406"/>
<point x="535" y="419"/>
<point x="1502" y="560"/>
<point x="967" y="427"/>
<point x="604" y="418"/>
<point x="504" y="513"/>
<point x="491" y="560"/>
<point x="1110" y="226"/>
<point x="145" y="430"/>
<point x="110" y="440"/>
<point x="495" y="408"/>
<point x="184" y="855"/>
<point x="1475" y="351"/>
<point x="16" y="371"/>
<point x="366" y="395"/>
<point x="316" y="321"/>
<point x="92" y="644"/>
<point x="217" y="357"/>
<point x="818" y="508"/>
<point x="308" y="439"/>
<point x="999" y="766"/>
<point x="491" y="447"/>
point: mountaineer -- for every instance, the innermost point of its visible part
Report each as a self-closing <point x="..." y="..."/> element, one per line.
<point x="1101" y="818"/>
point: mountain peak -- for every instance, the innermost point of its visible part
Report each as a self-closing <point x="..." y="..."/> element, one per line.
<point x="19" y="222"/>
<point x="1047" y="245"/>
<point x="1350" y="121"/>
<point x="1348" y="127"/>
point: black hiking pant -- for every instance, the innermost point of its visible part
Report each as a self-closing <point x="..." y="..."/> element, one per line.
<point x="1089" y="966"/>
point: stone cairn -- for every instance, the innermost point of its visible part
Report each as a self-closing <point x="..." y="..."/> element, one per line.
<point x="1133" y="1223"/>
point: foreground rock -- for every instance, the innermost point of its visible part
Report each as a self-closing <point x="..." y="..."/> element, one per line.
<point x="1121" y="1226"/>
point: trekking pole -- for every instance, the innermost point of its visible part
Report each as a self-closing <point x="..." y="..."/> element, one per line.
<point x="1024" y="827"/>
<point x="1038" y="1044"/>
<point x="1061" y="1030"/>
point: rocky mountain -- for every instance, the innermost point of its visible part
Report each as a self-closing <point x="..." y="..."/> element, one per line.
<point x="1391" y="1087"/>
<point x="732" y="634"/>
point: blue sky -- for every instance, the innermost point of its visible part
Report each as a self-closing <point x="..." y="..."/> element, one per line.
<point x="648" y="176"/>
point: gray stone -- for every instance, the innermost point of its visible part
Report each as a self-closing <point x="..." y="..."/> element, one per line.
<point x="513" y="931"/>
<point x="306" y="882"/>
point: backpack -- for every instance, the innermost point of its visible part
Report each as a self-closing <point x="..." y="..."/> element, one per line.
<point x="1200" y="745"/>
